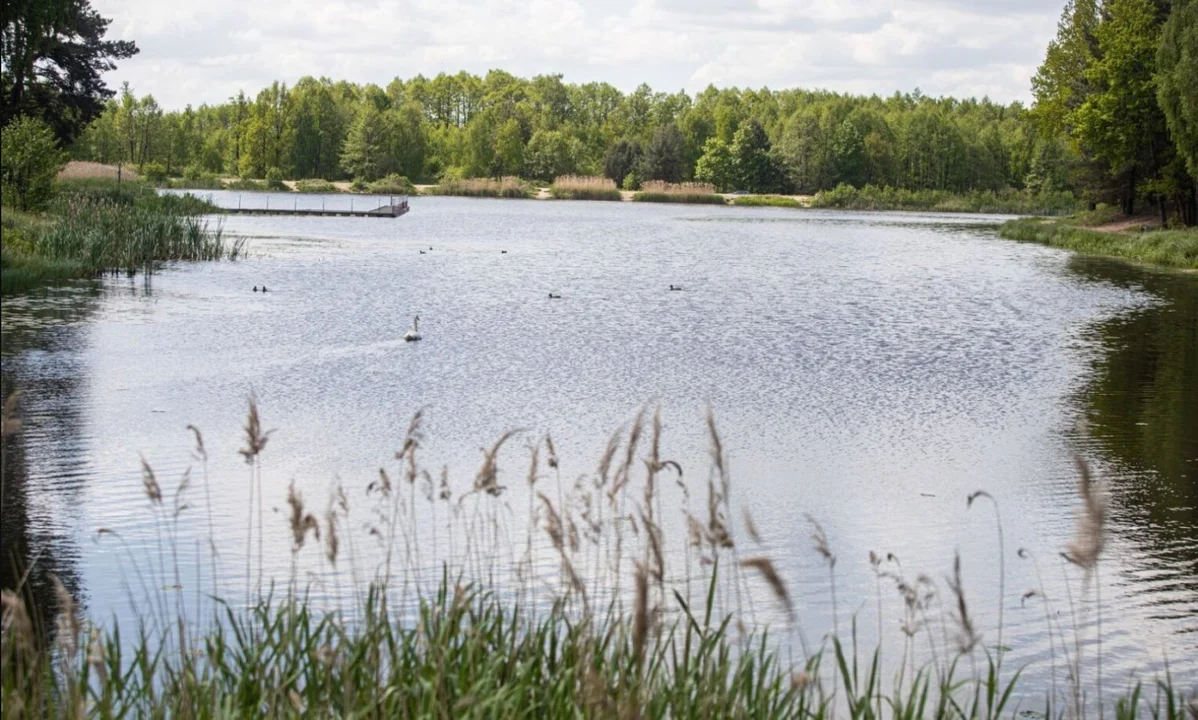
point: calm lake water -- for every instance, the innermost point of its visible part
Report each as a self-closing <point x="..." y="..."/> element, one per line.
<point x="870" y="370"/>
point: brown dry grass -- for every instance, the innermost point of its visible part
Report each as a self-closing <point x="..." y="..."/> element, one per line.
<point x="80" y="170"/>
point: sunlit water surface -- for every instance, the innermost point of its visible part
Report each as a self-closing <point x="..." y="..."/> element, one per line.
<point x="870" y="370"/>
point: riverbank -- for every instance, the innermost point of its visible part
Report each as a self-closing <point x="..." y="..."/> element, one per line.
<point x="97" y="225"/>
<point x="1163" y="248"/>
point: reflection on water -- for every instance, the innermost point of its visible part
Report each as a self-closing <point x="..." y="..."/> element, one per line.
<point x="1141" y="404"/>
<point x="45" y="461"/>
<point x="871" y="369"/>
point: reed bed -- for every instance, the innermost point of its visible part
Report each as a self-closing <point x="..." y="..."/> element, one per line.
<point x="687" y="192"/>
<point x="507" y="187"/>
<point x="1165" y="248"/>
<point x="104" y="236"/>
<point x="628" y="623"/>
<point x="584" y="187"/>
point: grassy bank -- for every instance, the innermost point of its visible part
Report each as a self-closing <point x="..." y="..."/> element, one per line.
<point x="95" y="225"/>
<point x="766" y="201"/>
<point x="575" y="187"/>
<point x="1015" y="202"/>
<point x="1166" y="248"/>
<point x="634" y="623"/>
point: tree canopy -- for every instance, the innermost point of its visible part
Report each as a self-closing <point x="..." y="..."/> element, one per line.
<point x="52" y="56"/>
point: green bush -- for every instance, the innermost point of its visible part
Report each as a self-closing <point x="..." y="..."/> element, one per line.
<point x="393" y="184"/>
<point x="194" y="177"/>
<point x="1100" y="215"/>
<point x="29" y="160"/>
<point x="153" y="173"/>
<point x="315" y="185"/>
<point x="247" y="184"/>
<point x="766" y="201"/>
<point x="274" y="179"/>
<point x="631" y="181"/>
<point x="358" y="185"/>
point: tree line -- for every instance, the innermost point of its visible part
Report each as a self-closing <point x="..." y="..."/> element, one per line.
<point x="465" y="125"/>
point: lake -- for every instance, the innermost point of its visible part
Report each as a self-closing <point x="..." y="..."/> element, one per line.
<point x="870" y="370"/>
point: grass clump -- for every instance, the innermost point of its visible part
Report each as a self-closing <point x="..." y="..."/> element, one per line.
<point x="634" y="624"/>
<point x="315" y="186"/>
<point x="1166" y="248"/>
<point x="581" y="187"/>
<point x="197" y="179"/>
<point x="247" y="185"/>
<point x="688" y="192"/>
<point x="784" y="201"/>
<point x="1012" y="201"/>
<point x="507" y="187"/>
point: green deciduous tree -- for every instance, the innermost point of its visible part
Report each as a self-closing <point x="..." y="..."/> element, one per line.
<point x="716" y="165"/>
<point x="550" y="153"/>
<point x="1119" y="118"/>
<point x="1177" y="80"/>
<point x="753" y="164"/>
<point x="29" y="159"/>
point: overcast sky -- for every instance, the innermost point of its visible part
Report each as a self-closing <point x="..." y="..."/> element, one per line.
<point x="197" y="51"/>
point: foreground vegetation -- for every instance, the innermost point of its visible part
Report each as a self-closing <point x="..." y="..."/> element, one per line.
<point x="94" y="226"/>
<point x="633" y="624"/>
<point x="1166" y="248"/>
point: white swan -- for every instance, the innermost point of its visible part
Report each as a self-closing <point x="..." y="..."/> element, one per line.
<point x="414" y="334"/>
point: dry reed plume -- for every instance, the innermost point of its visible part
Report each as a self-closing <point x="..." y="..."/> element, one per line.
<point x="683" y="188"/>
<point x="651" y="649"/>
<point x="82" y="170"/>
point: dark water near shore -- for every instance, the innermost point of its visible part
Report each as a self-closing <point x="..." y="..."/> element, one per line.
<point x="869" y="369"/>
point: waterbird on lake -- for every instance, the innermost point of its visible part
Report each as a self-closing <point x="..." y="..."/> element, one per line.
<point x="421" y="252"/>
<point x="263" y="288"/>
<point x="503" y="252"/>
<point x="414" y="334"/>
<point x="553" y="296"/>
<point x="255" y="288"/>
<point x="675" y="287"/>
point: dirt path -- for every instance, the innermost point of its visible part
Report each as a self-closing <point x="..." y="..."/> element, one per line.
<point x="1151" y="222"/>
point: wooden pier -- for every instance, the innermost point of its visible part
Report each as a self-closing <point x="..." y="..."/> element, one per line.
<point x="393" y="210"/>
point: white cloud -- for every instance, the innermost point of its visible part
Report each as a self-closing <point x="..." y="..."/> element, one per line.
<point x="195" y="52"/>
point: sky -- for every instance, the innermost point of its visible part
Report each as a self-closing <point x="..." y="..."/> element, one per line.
<point x="195" y="52"/>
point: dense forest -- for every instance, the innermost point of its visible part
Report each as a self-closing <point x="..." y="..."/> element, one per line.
<point x="468" y="126"/>
<point x="1115" y="120"/>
